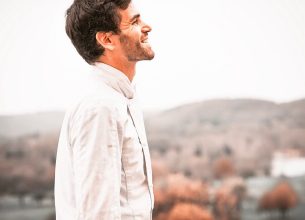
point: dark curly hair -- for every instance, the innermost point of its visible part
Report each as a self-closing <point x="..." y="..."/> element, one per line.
<point x="84" y="18"/>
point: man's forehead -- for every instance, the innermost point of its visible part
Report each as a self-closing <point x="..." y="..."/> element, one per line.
<point x="128" y="14"/>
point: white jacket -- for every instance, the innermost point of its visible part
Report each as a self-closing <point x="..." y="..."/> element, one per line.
<point x="103" y="166"/>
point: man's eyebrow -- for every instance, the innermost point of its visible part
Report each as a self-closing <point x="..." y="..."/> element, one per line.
<point x="134" y="17"/>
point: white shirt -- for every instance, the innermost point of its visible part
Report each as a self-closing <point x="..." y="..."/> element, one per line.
<point x="103" y="165"/>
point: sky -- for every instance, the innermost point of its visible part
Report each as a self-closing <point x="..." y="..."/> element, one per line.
<point x="204" y="50"/>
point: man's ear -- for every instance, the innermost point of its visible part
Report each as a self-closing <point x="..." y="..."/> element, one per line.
<point x="105" y="39"/>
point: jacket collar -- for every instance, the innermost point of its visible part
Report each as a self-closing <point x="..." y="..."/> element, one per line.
<point x="116" y="79"/>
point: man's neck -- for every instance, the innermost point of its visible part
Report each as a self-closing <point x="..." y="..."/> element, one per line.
<point x="128" y="68"/>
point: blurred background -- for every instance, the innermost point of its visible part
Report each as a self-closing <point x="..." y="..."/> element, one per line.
<point x="223" y="101"/>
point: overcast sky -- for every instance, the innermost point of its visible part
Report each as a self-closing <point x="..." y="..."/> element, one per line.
<point x="204" y="50"/>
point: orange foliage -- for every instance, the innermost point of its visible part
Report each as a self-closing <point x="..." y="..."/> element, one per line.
<point x="176" y="189"/>
<point x="160" y="197"/>
<point x="281" y="197"/>
<point x="159" y="170"/>
<point x="227" y="198"/>
<point x="161" y="216"/>
<point x="225" y="203"/>
<point x="267" y="201"/>
<point x="285" y="196"/>
<point x="224" y="198"/>
<point x="182" y="189"/>
<point x="223" y="167"/>
<point x="184" y="211"/>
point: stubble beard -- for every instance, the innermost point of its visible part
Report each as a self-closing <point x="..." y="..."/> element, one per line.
<point x="134" y="51"/>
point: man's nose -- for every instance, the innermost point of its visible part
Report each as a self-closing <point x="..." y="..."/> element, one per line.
<point x="146" y="28"/>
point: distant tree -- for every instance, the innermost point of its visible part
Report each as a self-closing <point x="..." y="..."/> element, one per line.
<point x="267" y="202"/>
<point x="185" y="211"/>
<point x="187" y="172"/>
<point x="22" y="181"/>
<point x="15" y="153"/>
<point x="225" y="204"/>
<point x="163" y="150"/>
<point x="47" y="179"/>
<point x="20" y="188"/>
<point x="3" y="185"/>
<point x="285" y="197"/>
<point x="223" y="167"/>
<point x="27" y="165"/>
<point x="198" y="151"/>
<point x="178" y="189"/>
<point x="227" y="150"/>
<point x="161" y="216"/>
<point x="162" y="202"/>
<point x="38" y="196"/>
<point x="246" y="173"/>
<point x="282" y="197"/>
<point x="228" y="198"/>
<point x="182" y="189"/>
<point x="6" y="180"/>
<point x="160" y="170"/>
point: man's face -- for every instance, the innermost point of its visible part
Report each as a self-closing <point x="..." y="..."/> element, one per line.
<point x="134" y="36"/>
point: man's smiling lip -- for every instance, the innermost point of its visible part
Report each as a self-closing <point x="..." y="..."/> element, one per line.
<point x="144" y="40"/>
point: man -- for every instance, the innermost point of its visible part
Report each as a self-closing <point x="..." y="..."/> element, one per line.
<point x="103" y="166"/>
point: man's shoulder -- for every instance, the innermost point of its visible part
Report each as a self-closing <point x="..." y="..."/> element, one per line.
<point x="97" y="103"/>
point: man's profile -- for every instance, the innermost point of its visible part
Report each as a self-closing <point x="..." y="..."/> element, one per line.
<point x="103" y="166"/>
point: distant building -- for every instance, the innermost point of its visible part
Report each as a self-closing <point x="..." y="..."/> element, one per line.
<point x="287" y="162"/>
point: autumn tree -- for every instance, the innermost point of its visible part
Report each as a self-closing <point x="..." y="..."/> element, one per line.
<point x="267" y="202"/>
<point x="182" y="189"/>
<point x="228" y="198"/>
<point x="160" y="170"/>
<point x="285" y="197"/>
<point x="223" y="167"/>
<point x="186" y="211"/>
<point x="225" y="204"/>
<point x="176" y="189"/>
<point x="282" y="197"/>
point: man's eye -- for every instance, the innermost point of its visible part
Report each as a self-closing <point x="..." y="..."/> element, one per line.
<point x="135" y="22"/>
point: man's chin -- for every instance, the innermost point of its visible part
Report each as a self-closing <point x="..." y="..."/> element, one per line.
<point x="150" y="54"/>
<point x="149" y="57"/>
<point x="144" y="53"/>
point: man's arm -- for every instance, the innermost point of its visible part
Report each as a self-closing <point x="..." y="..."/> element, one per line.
<point x="97" y="164"/>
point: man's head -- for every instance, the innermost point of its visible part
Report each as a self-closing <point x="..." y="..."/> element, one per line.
<point x="100" y="27"/>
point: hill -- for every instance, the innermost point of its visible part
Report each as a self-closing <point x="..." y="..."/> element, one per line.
<point x="245" y="130"/>
<point x="20" y="125"/>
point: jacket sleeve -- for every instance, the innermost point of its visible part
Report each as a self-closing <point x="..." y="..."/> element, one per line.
<point x="97" y="164"/>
